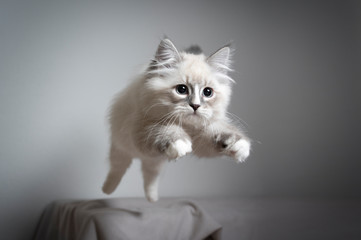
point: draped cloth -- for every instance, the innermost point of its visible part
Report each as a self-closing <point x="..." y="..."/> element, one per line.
<point x="112" y="219"/>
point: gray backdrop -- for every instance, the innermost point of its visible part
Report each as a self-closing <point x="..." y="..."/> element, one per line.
<point x="297" y="67"/>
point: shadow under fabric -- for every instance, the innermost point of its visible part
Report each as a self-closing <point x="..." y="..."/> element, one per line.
<point x="126" y="219"/>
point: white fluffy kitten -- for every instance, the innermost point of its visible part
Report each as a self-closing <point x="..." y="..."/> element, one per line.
<point x="177" y="106"/>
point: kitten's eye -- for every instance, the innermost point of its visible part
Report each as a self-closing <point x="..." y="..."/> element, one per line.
<point x="208" y="92"/>
<point x="181" y="89"/>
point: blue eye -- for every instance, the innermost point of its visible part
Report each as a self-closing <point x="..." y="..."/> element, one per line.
<point x="181" y="89"/>
<point x="208" y="92"/>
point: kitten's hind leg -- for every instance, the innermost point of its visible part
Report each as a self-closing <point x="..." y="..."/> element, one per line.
<point x="119" y="163"/>
<point x="151" y="169"/>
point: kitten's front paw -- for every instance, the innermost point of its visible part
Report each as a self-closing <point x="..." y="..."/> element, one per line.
<point x="234" y="146"/>
<point x="178" y="149"/>
<point x="241" y="150"/>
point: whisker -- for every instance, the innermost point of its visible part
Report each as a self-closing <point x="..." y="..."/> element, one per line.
<point x="152" y="106"/>
<point x="162" y="120"/>
<point x="237" y="120"/>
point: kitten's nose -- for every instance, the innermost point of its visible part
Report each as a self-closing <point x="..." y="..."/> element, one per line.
<point x="194" y="106"/>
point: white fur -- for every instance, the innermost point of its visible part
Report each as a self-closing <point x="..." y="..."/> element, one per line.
<point x="241" y="149"/>
<point x="179" y="148"/>
<point x="153" y="122"/>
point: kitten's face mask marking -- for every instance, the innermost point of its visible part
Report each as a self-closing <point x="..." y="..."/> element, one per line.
<point x="193" y="99"/>
<point x="193" y="88"/>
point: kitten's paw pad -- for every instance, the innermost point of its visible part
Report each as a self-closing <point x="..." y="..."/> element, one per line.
<point x="178" y="149"/>
<point x="241" y="150"/>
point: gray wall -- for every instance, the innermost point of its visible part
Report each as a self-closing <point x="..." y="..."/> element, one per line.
<point x="298" y="89"/>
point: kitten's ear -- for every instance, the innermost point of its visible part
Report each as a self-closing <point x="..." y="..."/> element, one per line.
<point x="221" y="59"/>
<point x="167" y="54"/>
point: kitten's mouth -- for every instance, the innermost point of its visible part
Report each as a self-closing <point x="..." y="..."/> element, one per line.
<point x="194" y="115"/>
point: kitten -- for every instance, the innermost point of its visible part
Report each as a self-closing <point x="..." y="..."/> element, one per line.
<point x="177" y="106"/>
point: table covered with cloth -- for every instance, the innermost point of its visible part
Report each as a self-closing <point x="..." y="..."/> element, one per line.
<point x="201" y="218"/>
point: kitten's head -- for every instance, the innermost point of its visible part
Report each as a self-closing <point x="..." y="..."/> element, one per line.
<point x="187" y="86"/>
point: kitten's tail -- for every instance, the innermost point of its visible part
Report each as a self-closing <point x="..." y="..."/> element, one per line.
<point x="119" y="163"/>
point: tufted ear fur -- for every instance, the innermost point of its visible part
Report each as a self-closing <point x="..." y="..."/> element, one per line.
<point x="221" y="60"/>
<point x="167" y="54"/>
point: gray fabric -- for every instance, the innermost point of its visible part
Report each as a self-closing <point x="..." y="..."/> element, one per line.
<point x="240" y="218"/>
<point x="126" y="219"/>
